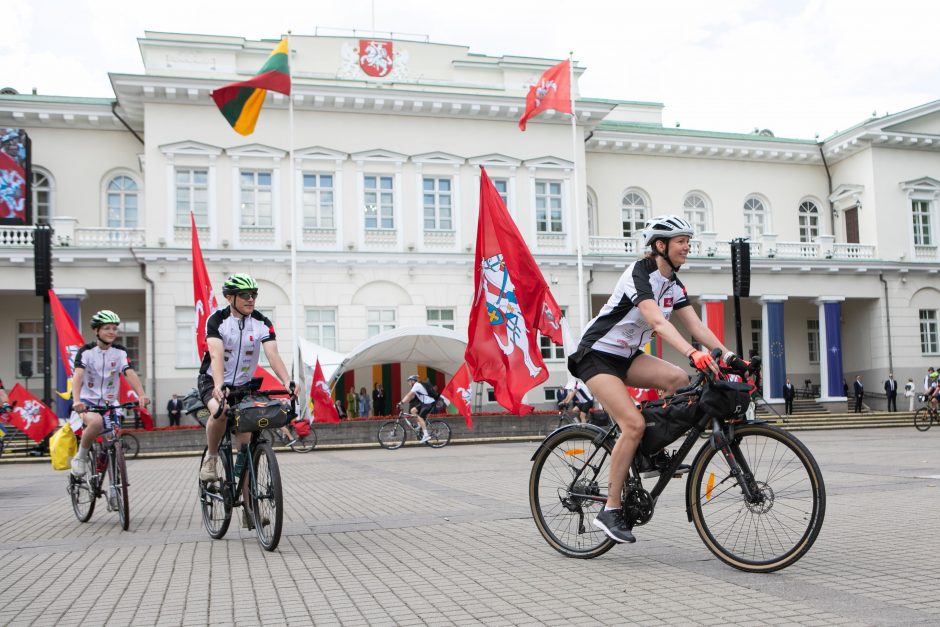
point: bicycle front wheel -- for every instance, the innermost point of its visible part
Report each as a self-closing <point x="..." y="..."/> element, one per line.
<point x="922" y="419"/>
<point x="391" y="435"/>
<point x="780" y="523"/>
<point x="130" y="444"/>
<point x="120" y="483"/>
<point x="564" y="506"/>
<point x="267" y="499"/>
<point x="83" y="497"/>
<point x="306" y="443"/>
<point x="216" y="506"/>
<point x="439" y="432"/>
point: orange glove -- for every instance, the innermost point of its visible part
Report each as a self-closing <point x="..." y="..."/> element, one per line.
<point x="701" y="359"/>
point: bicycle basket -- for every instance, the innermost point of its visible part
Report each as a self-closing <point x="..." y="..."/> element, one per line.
<point x="254" y="413"/>
<point x="666" y="420"/>
<point x="726" y="399"/>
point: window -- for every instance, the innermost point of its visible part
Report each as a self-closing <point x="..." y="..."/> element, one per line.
<point x="256" y="198"/>
<point x="186" y="349"/>
<point x="438" y="205"/>
<point x="318" y="201"/>
<point x="379" y="199"/>
<point x="812" y="339"/>
<point x="122" y="203"/>
<point x="592" y="212"/>
<point x="696" y="212"/>
<point x="441" y="318"/>
<point x="380" y="320"/>
<point x="550" y="350"/>
<point x="551" y="394"/>
<point x="42" y="197"/>
<point x="809" y="221"/>
<point x="755" y="218"/>
<point x="633" y="213"/>
<point x="29" y="344"/>
<point x="921" y="215"/>
<point x="548" y="206"/>
<point x="502" y="188"/>
<point x="192" y="195"/>
<point x="756" y="327"/>
<point x="490" y="395"/>
<point x="129" y="338"/>
<point x="929" y="344"/>
<point x="321" y="327"/>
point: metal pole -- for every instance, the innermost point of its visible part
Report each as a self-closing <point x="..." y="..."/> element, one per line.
<point x="582" y="301"/>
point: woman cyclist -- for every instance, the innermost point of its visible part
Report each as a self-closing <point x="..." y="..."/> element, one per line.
<point x="610" y="355"/>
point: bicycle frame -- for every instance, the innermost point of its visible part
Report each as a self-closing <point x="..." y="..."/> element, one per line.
<point x="407" y="418"/>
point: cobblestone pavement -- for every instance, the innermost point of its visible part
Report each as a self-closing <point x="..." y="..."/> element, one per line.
<point x="445" y="537"/>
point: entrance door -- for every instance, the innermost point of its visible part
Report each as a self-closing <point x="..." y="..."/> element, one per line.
<point x="851" y="225"/>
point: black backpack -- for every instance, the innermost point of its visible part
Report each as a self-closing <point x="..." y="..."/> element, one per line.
<point x="432" y="390"/>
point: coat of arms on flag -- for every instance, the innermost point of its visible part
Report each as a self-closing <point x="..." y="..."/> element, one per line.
<point x="375" y="57"/>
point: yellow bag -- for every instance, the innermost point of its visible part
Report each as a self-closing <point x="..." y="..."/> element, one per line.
<point x="62" y="447"/>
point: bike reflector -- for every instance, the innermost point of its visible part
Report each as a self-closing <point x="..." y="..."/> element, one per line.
<point x="574" y="451"/>
<point x="710" y="486"/>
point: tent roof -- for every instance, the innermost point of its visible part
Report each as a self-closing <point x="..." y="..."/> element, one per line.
<point x="441" y="349"/>
<point x="329" y="359"/>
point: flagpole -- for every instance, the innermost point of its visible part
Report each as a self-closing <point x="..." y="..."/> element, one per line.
<point x="582" y="300"/>
<point x="293" y="218"/>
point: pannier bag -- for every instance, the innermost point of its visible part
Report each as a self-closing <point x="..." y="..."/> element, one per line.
<point x="301" y="428"/>
<point x="191" y="403"/>
<point x="255" y="413"/>
<point x="666" y="420"/>
<point x="726" y="399"/>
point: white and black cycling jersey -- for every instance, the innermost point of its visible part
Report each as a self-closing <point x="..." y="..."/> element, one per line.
<point x="582" y="394"/>
<point x="101" y="380"/>
<point x="242" y="339"/>
<point x="620" y="328"/>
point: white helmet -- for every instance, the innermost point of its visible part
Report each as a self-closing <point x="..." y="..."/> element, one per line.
<point x="666" y="227"/>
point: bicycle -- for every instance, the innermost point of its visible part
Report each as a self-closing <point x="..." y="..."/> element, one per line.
<point x="926" y="415"/>
<point x="566" y="416"/>
<point x="392" y="433"/>
<point x="253" y="481"/>
<point x="296" y="443"/>
<point x="107" y="457"/>
<point x="130" y="444"/>
<point x="754" y="493"/>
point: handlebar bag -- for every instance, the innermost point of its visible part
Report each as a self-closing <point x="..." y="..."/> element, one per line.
<point x="666" y="420"/>
<point x="725" y="399"/>
<point x="254" y="413"/>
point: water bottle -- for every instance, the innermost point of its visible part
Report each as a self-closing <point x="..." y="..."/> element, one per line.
<point x="240" y="460"/>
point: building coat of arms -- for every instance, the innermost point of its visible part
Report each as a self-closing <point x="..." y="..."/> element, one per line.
<point x="374" y="58"/>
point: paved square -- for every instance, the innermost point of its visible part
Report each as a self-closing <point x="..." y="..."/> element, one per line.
<point x="445" y="537"/>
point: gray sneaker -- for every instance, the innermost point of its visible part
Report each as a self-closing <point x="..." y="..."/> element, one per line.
<point x="208" y="471"/>
<point x="612" y="523"/>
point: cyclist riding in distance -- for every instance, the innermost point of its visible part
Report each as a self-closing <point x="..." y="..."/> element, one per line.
<point x="581" y="396"/>
<point x="97" y="381"/>
<point x="234" y="335"/>
<point x="610" y="355"/>
<point x="421" y="405"/>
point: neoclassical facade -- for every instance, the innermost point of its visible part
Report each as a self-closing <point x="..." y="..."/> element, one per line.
<point x="383" y="172"/>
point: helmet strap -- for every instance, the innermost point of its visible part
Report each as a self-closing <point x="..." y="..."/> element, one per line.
<point x="101" y="341"/>
<point x="665" y="255"/>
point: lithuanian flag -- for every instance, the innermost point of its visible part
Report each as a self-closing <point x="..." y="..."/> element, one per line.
<point x="240" y="103"/>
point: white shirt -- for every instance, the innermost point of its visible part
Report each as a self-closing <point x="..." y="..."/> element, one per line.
<point x="421" y="394"/>
<point x="582" y="394"/>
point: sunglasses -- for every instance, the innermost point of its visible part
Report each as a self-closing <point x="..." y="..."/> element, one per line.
<point x="248" y="295"/>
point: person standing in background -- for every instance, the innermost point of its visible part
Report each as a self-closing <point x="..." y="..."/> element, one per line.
<point x="378" y="400"/>
<point x="891" y="391"/>
<point x="352" y="403"/>
<point x="174" y="408"/>
<point x="859" y="394"/>
<point x="909" y="393"/>
<point x="788" y="393"/>
<point x="364" y="403"/>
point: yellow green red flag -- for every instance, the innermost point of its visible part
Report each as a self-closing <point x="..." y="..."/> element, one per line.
<point x="240" y="103"/>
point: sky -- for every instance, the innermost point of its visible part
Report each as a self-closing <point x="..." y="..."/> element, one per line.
<point x="797" y="67"/>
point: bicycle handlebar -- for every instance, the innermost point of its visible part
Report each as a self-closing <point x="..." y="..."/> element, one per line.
<point x="100" y="409"/>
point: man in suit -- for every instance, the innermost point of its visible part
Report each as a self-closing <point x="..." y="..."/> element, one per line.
<point x="891" y="391"/>
<point x="859" y="394"/>
<point x="175" y="409"/>
<point x="788" y="393"/>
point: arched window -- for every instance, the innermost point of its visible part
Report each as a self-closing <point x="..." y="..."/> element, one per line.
<point x="633" y="213"/>
<point x="43" y="187"/>
<point x="809" y="221"/>
<point x="755" y="218"/>
<point x="592" y="212"/>
<point x="122" y="197"/>
<point x="696" y="212"/>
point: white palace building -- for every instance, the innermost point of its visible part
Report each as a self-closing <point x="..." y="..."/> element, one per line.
<point x="844" y="232"/>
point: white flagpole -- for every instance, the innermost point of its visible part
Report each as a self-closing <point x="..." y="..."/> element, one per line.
<point x="295" y="330"/>
<point x="582" y="299"/>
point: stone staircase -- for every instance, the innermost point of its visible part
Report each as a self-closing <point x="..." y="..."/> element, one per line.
<point x="800" y="407"/>
<point x="865" y="420"/>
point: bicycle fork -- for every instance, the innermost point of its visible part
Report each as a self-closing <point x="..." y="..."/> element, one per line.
<point x="725" y="444"/>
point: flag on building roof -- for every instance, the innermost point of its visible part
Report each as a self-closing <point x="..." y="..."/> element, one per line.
<point x="551" y="91"/>
<point x="240" y="103"/>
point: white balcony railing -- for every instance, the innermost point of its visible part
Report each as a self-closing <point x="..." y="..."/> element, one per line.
<point x="101" y="237"/>
<point x="16" y="236"/>
<point x="778" y="250"/>
<point x="611" y="246"/>
<point x="440" y="240"/>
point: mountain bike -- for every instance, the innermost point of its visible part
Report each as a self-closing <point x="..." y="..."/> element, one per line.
<point x="107" y="457"/>
<point x="252" y="480"/>
<point x="296" y="442"/>
<point x="755" y="493"/>
<point x="925" y="416"/>
<point x="392" y="433"/>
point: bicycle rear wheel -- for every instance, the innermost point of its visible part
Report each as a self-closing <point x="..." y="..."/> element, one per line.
<point x="267" y="499"/>
<point x="439" y="432"/>
<point x="130" y="444"/>
<point x="216" y="506"/>
<point x="83" y="497"/>
<point x="391" y="435"/>
<point x="780" y="525"/>
<point x="922" y="419"/>
<point x="120" y="483"/>
<point x="563" y="507"/>
<point x="306" y="443"/>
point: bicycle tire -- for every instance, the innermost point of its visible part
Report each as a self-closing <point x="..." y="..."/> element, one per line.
<point x="82" y="496"/>
<point x="565" y="521"/>
<point x="440" y="433"/>
<point x="267" y="498"/>
<point x="781" y="528"/>
<point x="215" y="505"/>
<point x="131" y="445"/>
<point x="120" y="481"/>
<point x="391" y="435"/>
<point x="922" y="419"/>
<point x="306" y="443"/>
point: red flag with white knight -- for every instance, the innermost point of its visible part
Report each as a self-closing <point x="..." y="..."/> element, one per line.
<point x="458" y="393"/>
<point x="551" y="91"/>
<point x="508" y="307"/>
<point x="128" y="395"/>
<point x="203" y="297"/>
<point x="30" y="415"/>
<point x="323" y="408"/>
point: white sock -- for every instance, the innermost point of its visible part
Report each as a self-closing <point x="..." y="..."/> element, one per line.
<point x="83" y="452"/>
<point x="610" y="509"/>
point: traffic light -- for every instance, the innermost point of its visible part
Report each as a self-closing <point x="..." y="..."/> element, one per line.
<point x="741" y="267"/>
<point x="42" y="258"/>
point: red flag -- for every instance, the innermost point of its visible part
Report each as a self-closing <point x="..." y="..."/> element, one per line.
<point x="268" y="380"/>
<point x="128" y="395"/>
<point x="30" y="415"/>
<point x="458" y="393"/>
<point x="508" y="306"/>
<point x="552" y="91"/>
<point x="323" y="408"/>
<point x="203" y="297"/>
<point x="70" y="340"/>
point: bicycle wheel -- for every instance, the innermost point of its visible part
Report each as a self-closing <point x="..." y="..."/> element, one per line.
<point x="83" y="497"/>
<point x="216" y="508"/>
<point x="439" y="432"/>
<point x="130" y="444"/>
<point x="391" y="435"/>
<point x="922" y="419"/>
<point x="782" y="523"/>
<point x="564" y="508"/>
<point x="267" y="499"/>
<point x="306" y="443"/>
<point x="120" y="483"/>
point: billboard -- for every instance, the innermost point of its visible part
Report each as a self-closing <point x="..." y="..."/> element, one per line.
<point x="15" y="177"/>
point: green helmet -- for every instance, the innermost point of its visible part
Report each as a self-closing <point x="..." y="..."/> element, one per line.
<point x="238" y="283"/>
<point x="103" y="317"/>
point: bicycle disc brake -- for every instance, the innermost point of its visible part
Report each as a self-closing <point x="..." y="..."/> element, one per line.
<point x="637" y="507"/>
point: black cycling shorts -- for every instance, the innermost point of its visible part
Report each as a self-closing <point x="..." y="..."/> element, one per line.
<point x="586" y="363"/>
